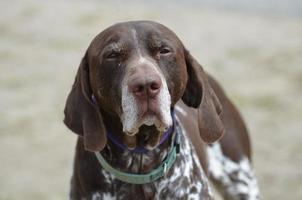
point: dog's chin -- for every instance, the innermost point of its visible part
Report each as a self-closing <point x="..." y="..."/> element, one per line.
<point x="146" y="130"/>
<point x="148" y="136"/>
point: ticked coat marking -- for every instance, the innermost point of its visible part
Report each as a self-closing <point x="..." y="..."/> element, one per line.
<point x="232" y="178"/>
<point x="185" y="180"/>
<point x="138" y="72"/>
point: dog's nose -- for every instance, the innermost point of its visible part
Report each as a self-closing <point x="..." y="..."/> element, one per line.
<point x="145" y="86"/>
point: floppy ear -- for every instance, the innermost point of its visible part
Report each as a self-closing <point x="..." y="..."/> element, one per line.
<point x="199" y="94"/>
<point x="82" y="116"/>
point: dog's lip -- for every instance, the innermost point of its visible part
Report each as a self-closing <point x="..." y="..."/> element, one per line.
<point x="131" y="134"/>
<point x="137" y="131"/>
<point x="149" y="116"/>
<point x="158" y="124"/>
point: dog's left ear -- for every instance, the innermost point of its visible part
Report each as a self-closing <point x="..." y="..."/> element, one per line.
<point x="199" y="94"/>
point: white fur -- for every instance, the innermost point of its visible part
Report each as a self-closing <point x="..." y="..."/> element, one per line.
<point x="243" y="180"/>
<point x="102" y="196"/>
<point x="130" y="120"/>
<point x="130" y="111"/>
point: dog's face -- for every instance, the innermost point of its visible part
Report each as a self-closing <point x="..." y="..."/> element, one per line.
<point x="136" y="71"/>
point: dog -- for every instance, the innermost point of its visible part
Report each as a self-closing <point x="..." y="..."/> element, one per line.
<point x="152" y="124"/>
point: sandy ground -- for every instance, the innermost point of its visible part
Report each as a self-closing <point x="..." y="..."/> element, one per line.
<point x="257" y="58"/>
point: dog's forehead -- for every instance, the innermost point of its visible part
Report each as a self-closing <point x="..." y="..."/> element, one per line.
<point x="145" y="31"/>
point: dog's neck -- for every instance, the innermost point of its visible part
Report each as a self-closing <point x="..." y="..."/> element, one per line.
<point x="129" y="161"/>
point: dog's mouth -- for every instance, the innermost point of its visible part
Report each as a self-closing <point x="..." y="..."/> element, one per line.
<point x="149" y="118"/>
<point x="148" y="136"/>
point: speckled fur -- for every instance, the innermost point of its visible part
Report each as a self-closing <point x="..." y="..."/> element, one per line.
<point x="234" y="180"/>
<point x="185" y="180"/>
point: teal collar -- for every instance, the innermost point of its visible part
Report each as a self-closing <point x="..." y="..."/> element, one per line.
<point x="155" y="174"/>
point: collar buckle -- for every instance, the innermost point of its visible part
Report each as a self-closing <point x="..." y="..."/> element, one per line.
<point x="165" y="168"/>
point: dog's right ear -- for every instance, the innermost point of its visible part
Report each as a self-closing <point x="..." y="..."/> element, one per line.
<point x="82" y="116"/>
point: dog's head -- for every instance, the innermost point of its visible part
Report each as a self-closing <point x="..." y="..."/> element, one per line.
<point x="137" y="71"/>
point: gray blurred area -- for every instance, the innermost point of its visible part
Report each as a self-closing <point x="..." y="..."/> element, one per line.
<point x="253" y="48"/>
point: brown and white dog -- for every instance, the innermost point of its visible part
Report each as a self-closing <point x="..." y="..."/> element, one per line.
<point x="133" y="77"/>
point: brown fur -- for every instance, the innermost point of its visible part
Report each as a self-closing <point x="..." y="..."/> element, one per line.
<point x="210" y="112"/>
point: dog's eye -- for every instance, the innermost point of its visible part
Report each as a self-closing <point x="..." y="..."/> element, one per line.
<point x="113" y="55"/>
<point x="164" y="50"/>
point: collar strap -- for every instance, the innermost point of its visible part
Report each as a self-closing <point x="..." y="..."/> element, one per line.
<point x="155" y="174"/>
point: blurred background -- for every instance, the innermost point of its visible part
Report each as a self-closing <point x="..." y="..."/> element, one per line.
<point x="253" y="48"/>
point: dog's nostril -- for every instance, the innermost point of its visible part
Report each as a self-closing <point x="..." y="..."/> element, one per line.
<point x="138" y="88"/>
<point x="144" y="87"/>
<point x="155" y="86"/>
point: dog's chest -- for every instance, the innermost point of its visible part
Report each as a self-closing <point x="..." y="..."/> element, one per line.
<point x="185" y="180"/>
